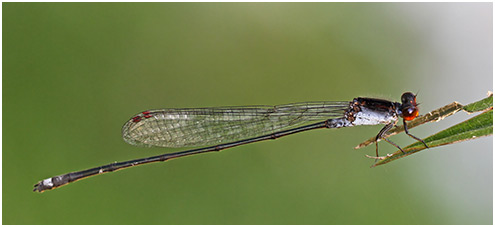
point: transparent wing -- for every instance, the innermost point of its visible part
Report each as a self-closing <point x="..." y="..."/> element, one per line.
<point x="209" y="126"/>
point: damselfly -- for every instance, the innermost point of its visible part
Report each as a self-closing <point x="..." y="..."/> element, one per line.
<point x="220" y="128"/>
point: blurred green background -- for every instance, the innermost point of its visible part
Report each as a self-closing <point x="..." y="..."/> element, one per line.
<point x="73" y="73"/>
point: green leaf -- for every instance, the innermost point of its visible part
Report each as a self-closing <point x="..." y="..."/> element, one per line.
<point x="480" y="105"/>
<point x="478" y="126"/>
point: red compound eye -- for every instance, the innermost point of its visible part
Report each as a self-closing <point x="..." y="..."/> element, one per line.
<point x="409" y="107"/>
<point x="410" y="113"/>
